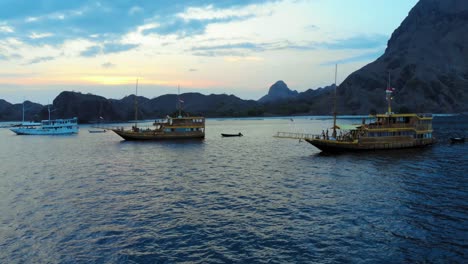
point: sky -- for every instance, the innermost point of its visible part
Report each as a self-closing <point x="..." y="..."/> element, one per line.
<point x="238" y="47"/>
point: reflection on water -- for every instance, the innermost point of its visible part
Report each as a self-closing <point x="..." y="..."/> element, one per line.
<point x="96" y="198"/>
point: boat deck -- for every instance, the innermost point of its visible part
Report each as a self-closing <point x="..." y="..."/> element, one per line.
<point x="292" y="135"/>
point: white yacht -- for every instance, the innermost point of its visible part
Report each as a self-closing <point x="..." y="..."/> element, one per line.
<point x="48" y="127"/>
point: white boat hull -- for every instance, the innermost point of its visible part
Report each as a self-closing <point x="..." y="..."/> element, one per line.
<point x="46" y="131"/>
<point x="49" y="127"/>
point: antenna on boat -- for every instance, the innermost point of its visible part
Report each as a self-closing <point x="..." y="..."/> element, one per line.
<point x="23" y="110"/>
<point x="48" y="109"/>
<point x="334" y="105"/>
<point x="136" y="103"/>
<point x="179" y="105"/>
<point x="388" y="93"/>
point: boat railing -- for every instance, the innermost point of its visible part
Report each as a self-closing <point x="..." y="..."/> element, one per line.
<point x="391" y="125"/>
<point x="139" y="127"/>
<point x="293" y="135"/>
<point x="400" y="125"/>
<point x="424" y="115"/>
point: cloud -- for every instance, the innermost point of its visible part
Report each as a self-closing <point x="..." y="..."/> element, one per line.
<point x="117" y="47"/>
<point x="217" y="53"/>
<point x="92" y="51"/>
<point x="108" y="19"/>
<point x="189" y="27"/>
<point x="311" y="28"/>
<point x="35" y="35"/>
<point x="135" y="10"/>
<point x="41" y="59"/>
<point x="17" y="75"/>
<point x="6" y="29"/>
<point x="369" y="56"/>
<point x="244" y="49"/>
<point x="356" y="42"/>
<point x="244" y="58"/>
<point x="107" y="48"/>
<point x="13" y="56"/>
<point x="108" y="65"/>
<point x="245" y="45"/>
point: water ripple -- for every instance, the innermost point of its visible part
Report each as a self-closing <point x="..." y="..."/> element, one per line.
<point x="96" y="199"/>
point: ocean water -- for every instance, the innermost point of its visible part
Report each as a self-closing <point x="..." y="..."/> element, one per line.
<point x="93" y="198"/>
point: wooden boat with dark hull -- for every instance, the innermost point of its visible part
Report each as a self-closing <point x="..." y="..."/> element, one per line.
<point x="167" y="129"/>
<point x="93" y="131"/>
<point x="389" y="131"/>
<point x="457" y="140"/>
<point x="231" y="135"/>
<point x="394" y="131"/>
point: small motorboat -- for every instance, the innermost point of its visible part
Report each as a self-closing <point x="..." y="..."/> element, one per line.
<point x="97" y="131"/>
<point x="457" y="140"/>
<point x="232" y="135"/>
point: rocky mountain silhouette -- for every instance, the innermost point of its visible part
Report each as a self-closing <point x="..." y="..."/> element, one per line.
<point x="277" y="91"/>
<point x="427" y="58"/>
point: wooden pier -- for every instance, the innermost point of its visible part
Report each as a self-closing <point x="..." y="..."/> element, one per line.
<point x="292" y="135"/>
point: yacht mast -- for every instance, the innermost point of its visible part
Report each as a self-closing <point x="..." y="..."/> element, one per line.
<point x="389" y="95"/>
<point x="178" y="101"/>
<point x="334" y="105"/>
<point x="136" y="103"/>
<point x="23" y="110"/>
<point x="48" y="109"/>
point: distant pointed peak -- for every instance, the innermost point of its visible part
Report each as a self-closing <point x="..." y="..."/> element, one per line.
<point x="279" y="90"/>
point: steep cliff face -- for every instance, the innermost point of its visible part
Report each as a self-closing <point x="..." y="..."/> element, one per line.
<point x="427" y="58"/>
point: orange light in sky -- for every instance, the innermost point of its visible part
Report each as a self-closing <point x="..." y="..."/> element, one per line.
<point x="106" y="80"/>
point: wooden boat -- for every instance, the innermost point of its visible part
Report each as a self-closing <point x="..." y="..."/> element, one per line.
<point x="169" y="128"/>
<point x="457" y="140"/>
<point x="189" y="127"/>
<point x="232" y="135"/>
<point x="97" y="131"/>
<point x="388" y="131"/>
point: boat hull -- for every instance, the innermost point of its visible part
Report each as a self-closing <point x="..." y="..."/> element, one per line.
<point x="39" y="131"/>
<point x="457" y="140"/>
<point x="357" y="145"/>
<point x="231" y="135"/>
<point x="97" y="131"/>
<point x="151" y="135"/>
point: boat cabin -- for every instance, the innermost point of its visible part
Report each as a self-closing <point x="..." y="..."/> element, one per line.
<point x="415" y="125"/>
<point x="181" y="124"/>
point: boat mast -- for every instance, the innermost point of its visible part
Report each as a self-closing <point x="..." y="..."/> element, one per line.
<point x="178" y="101"/>
<point x="389" y="95"/>
<point x="48" y="109"/>
<point x="23" y="110"/>
<point x="334" y="105"/>
<point x="136" y="103"/>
